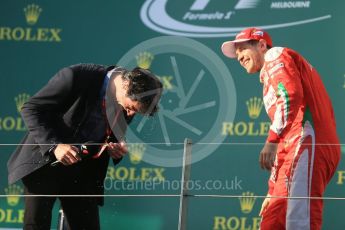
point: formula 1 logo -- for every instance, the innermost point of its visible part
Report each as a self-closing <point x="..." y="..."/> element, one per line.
<point x="206" y="18"/>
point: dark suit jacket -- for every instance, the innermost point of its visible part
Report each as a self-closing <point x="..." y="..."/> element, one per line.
<point x="54" y="115"/>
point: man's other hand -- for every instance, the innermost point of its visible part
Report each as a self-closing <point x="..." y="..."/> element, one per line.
<point x="268" y="155"/>
<point x="117" y="150"/>
<point x="66" y="154"/>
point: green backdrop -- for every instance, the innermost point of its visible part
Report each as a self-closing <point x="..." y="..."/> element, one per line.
<point x="207" y="98"/>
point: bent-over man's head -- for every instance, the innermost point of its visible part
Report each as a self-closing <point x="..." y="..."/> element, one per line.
<point x="138" y="91"/>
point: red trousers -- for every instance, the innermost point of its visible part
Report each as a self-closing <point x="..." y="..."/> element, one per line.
<point x="302" y="168"/>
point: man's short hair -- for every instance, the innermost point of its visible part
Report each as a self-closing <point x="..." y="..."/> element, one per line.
<point x="144" y="87"/>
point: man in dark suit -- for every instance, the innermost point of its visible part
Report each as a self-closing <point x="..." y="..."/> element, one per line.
<point x="84" y="103"/>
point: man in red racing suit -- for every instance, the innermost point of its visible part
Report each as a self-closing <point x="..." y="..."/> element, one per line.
<point x="302" y="149"/>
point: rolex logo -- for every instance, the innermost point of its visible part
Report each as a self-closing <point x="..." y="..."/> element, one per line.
<point x="20" y="100"/>
<point x="13" y="192"/>
<point x="32" y="13"/>
<point x="254" y="106"/>
<point x="247" y="202"/>
<point x="144" y="60"/>
<point x="136" y="152"/>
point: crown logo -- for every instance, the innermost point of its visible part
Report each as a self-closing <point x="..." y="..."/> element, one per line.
<point x="247" y="202"/>
<point x="20" y="100"/>
<point x="254" y="106"/>
<point x="144" y="60"/>
<point x="136" y="152"/>
<point x="32" y="13"/>
<point x="13" y="193"/>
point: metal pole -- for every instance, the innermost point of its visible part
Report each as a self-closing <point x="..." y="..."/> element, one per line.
<point x="186" y="164"/>
<point x="62" y="225"/>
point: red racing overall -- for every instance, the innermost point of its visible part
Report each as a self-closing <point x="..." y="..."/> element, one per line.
<point x="308" y="153"/>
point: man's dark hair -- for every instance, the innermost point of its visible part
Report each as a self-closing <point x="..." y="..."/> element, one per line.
<point x="144" y="87"/>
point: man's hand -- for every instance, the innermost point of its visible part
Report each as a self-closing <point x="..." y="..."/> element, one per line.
<point x="117" y="150"/>
<point x="66" y="154"/>
<point x="268" y="155"/>
<point x="265" y="205"/>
